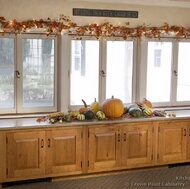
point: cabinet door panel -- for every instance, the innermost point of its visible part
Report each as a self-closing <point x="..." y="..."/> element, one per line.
<point x="25" y="154"/>
<point x="104" y="147"/>
<point x="137" y="145"/>
<point x="172" y="142"/>
<point x="64" y="151"/>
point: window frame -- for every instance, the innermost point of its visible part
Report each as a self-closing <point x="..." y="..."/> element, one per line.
<point x="102" y="66"/>
<point x="19" y="109"/>
<point x="174" y="66"/>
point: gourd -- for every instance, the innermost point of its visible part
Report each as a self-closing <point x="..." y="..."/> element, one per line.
<point x="68" y="117"/>
<point x="83" y="109"/>
<point x="100" y="115"/>
<point x="112" y="108"/>
<point x="89" y="114"/>
<point x="147" y="103"/>
<point x="80" y="117"/>
<point x="75" y="113"/>
<point x="132" y="105"/>
<point x="135" y="112"/>
<point x="95" y="106"/>
<point x="147" y="112"/>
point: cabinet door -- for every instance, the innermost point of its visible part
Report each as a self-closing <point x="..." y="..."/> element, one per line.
<point x="172" y="141"/>
<point x="64" y="151"/>
<point x="25" y="154"/>
<point x="137" y="144"/>
<point x="104" y="147"/>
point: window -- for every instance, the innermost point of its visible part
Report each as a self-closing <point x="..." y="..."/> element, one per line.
<point x="84" y="82"/>
<point x="159" y="71"/>
<point x="119" y="70"/>
<point x="166" y="78"/>
<point x="7" y="65"/>
<point x="183" y="74"/>
<point x="30" y="80"/>
<point x="104" y="69"/>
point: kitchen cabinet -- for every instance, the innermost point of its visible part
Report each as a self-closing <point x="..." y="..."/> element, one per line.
<point x="121" y="146"/>
<point x="81" y="149"/>
<point x="172" y="140"/>
<point x="104" y="147"/>
<point x="64" y="151"/>
<point x="25" y="154"/>
<point x="137" y="144"/>
<point x="39" y="153"/>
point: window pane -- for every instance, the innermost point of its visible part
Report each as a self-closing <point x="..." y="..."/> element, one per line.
<point x="183" y="79"/>
<point x="84" y="71"/>
<point x="38" y="72"/>
<point x="119" y="70"/>
<point x="159" y="71"/>
<point x="7" y="73"/>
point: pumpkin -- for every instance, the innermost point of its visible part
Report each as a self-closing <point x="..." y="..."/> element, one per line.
<point x="95" y="106"/>
<point x="80" y="117"/>
<point x="100" y="115"/>
<point x="83" y="109"/>
<point x="147" y="103"/>
<point x="135" y="112"/>
<point x="89" y="114"/>
<point x="112" y="108"/>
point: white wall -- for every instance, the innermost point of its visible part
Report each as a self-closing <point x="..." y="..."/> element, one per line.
<point x="36" y="9"/>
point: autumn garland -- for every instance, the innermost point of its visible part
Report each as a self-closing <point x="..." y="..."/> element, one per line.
<point x="65" y="25"/>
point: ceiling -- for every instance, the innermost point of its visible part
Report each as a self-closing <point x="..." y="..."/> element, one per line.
<point x="167" y="3"/>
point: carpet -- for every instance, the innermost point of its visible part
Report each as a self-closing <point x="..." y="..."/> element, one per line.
<point x="174" y="177"/>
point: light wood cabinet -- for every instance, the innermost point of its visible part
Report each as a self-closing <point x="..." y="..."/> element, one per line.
<point x="39" y="153"/>
<point x="104" y="147"/>
<point x="64" y="151"/>
<point x="121" y="146"/>
<point x="61" y="151"/>
<point x="137" y="144"/>
<point x="172" y="140"/>
<point x="25" y="154"/>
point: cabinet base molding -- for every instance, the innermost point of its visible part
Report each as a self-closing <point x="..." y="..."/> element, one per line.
<point x="91" y="175"/>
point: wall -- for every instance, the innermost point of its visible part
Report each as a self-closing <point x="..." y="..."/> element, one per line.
<point x="36" y="9"/>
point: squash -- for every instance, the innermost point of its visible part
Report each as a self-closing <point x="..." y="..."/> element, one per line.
<point x="89" y="114"/>
<point x="68" y="117"/>
<point x="75" y="113"/>
<point x="147" y="103"/>
<point x="100" y="115"/>
<point x="148" y="112"/>
<point x="83" y="109"/>
<point x="80" y="117"/>
<point x="112" y="108"/>
<point x="132" y="105"/>
<point x="95" y="106"/>
<point x="135" y="112"/>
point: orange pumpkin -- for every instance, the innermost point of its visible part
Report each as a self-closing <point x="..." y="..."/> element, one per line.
<point x="84" y="109"/>
<point x="112" y="108"/>
<point x="147" y="103"/>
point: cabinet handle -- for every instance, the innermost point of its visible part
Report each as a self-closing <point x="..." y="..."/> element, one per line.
<point x="42" y="143"/>
<point x="49" y="144"/>
<point x="119" y="138"/>
<point x="124" y="136"/>
<point x="185" y="132"/>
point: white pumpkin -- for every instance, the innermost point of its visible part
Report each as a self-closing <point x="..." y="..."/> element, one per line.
<point x="100" y="115"/>
<point x="80" y="117"/>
